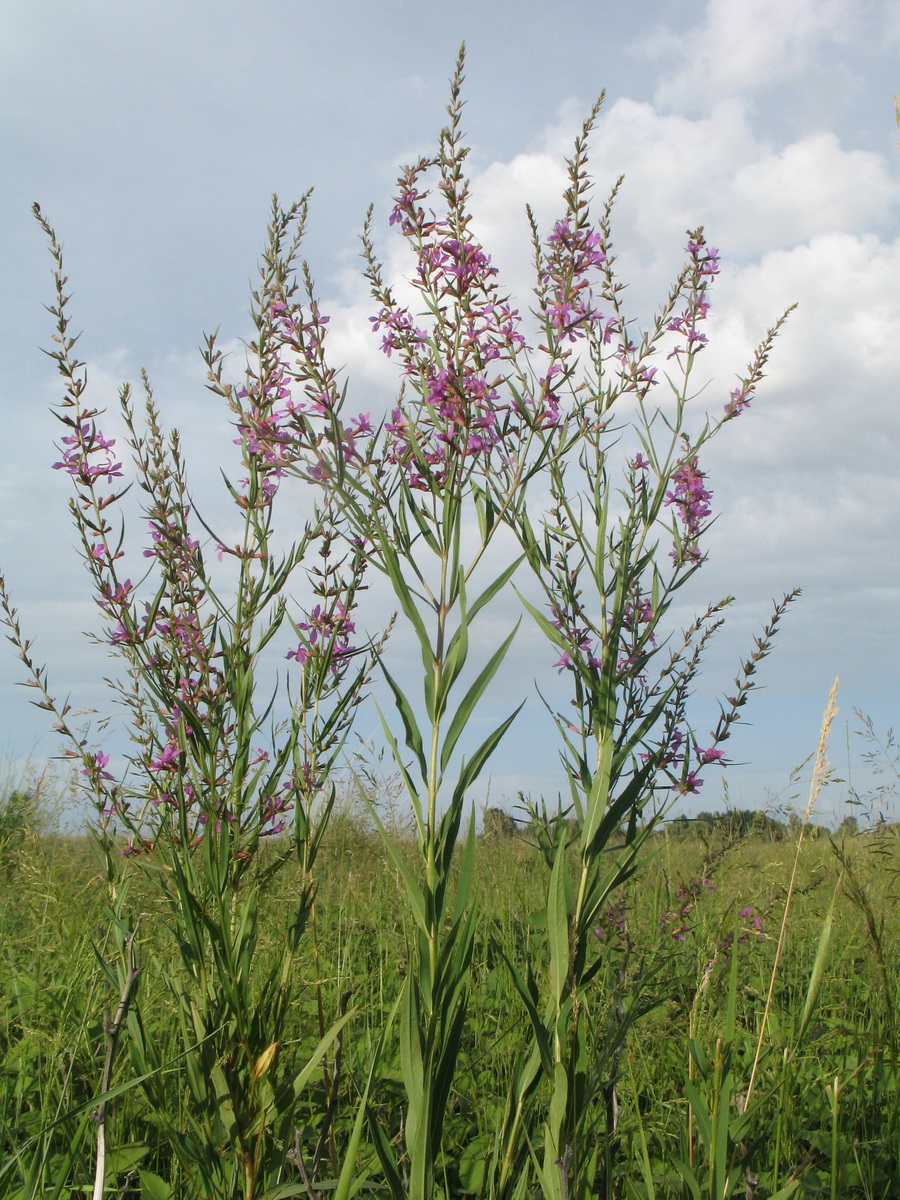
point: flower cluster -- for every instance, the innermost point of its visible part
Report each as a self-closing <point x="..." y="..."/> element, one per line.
<point x="263" y="433"/>
<point x="637" y="613"/>
<point x="690" y="783"/>
<point x="302" y="357"/>
<point x="672" y="754"/>
<point x="675" y="921"/>
<point x="690" y="496"/>
<point x="568" y="304"/>
<point x="703" y="267"/>
<point x="88" y="456"/>
<point x="739" y="400"/>
<point x="583" y="646"/>
<point x="460" y="412"/>
<point x="613" y="922"/>
<point x="325" y="636"/>
<point x="752" y="927"/>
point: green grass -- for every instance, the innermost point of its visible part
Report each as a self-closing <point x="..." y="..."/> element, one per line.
<point x="705" y="968"/>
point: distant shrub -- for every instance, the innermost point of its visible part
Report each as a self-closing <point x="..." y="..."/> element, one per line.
<point x="734" y="823"/>
<point x="22" y="816"/>
<point x="499" y="824"/>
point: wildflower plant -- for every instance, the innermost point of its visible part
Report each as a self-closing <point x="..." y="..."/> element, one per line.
<point x="214" y="769"/>
<point x="555" y="451"/>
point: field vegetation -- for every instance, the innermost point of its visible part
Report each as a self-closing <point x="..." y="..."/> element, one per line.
<point x="261" y="974"/>
<point x="691" y="941"/>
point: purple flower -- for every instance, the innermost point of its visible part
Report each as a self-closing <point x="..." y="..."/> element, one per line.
<point x="740" y="399"/>
<point x="711" y="756"/>
<point x="689" y="785"/>
<point x="690" y="497"/>
<point x="748" y="914"/>
<point x="101" y="762"/>
<point x="168" y="759"/>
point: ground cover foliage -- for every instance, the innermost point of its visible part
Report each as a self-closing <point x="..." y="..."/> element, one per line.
<point x="236" y="990"/>
<point x="683" y="911"/>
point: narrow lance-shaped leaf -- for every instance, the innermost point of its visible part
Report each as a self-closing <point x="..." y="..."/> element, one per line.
<point x="822" y="952"/>
<point x="472" y="768"/>
<point x="467" y="705"/>
<point x="408" y="717"/>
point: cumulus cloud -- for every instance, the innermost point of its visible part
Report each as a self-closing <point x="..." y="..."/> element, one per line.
<point x="743" y="46"/>
<point x="812" y="186"/>
<point x="806" y="482"/>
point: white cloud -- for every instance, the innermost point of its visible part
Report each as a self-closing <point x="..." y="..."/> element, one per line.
<point x="742" y="46"/>
<point x="806" y="481"/>
<point x="811" y="186"/>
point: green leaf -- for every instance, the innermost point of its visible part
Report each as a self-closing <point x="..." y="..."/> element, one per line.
<point x="821" y="959"/>
<point x="485" y="511"/>
<point x="154" y="1188"/>
<point x="466" y="870"/>
<point x="302" y="1078"/>
<point x="413" y="734"/>
<point x="555" y="635"/>
<point x="394" y="572"/>
<point x="455" y="658"/>
<point x="788" y="1190"/>
<point x="558" y="923"/>
<point x="345" y="1184"/>
<point x="701" y="1114"/>
<point x="416" y="1081"/>
<point x="688" y="1176"/>
<point x="423" y="522"/>
<point x="386" y="1157"/>
<point x="529" y="996"/>
<point x="411" y="789"/>
<point x="413" y="889"/>
<point x="471" y="768"/>
<point x="472" y="696"/>
<point x="493" y="588"/>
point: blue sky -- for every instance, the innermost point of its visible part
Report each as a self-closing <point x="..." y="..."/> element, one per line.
<point x="153" y="137"/>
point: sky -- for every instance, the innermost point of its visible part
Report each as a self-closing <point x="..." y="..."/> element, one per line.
<point x="153" y="137"/>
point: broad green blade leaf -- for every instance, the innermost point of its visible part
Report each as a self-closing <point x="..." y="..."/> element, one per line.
<point x="413" y="890"/>
<point x="688" y="1177"/>
<point x="529" y="996"/>
<point x="486" y="512"/>
<point x="466" y="871"/>
<point x="783" y="1193"/>
<point x="455" y="658"/>
<point x="303" y="1077"/>
<point x="153" y="1188"/>
<point x="386" y="1157"/>
<point x="700" y="1111"/>
<point x="492" y="589"/>
<point x="394" y="572"/>
<point x="346" y="1180"/>
<point x="555" y="635"/>
<point x="411" y="789"/>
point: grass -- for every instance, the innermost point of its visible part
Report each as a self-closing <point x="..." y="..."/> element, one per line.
<point x="696" y="940"/>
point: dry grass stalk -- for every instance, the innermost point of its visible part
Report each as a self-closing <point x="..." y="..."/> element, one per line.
<point x="820" y="776"/>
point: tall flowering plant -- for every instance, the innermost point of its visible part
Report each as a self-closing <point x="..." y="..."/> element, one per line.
<point x="553" y="451"/>
<point x="623" y="532"/>
<point x="491" y="401"/>
<point x="215" y="769"/>
<point x="412" y="487"/>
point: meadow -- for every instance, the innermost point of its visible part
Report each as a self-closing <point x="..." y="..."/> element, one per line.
<point x="690" y="944"/>
<point x="261" y="974"/>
